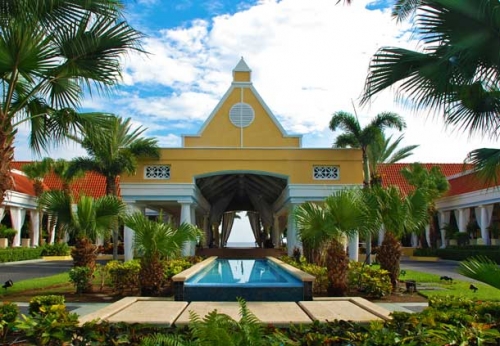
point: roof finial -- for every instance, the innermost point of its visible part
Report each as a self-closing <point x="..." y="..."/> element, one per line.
<point x="242" y="66"/>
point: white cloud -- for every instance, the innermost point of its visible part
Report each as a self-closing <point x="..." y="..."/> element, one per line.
<point x="309" y="60"/>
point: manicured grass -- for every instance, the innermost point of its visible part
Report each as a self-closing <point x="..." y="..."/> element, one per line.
<point x="457" y="288"/>
<point x="56" y="284"/>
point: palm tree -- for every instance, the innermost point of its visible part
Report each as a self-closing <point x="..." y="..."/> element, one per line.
<point x="84" y="221"/>
<point x="457" y="72"/>
<point x="155" y="241"/>
<point x="53" y="53"/>
<point x="399" y="214"/>
<point x="355" y="136"/>
<point x="321" y="227"/>
<point x="383" y="151"/>
<point x="113" y="153"/>
<point x="432" y="183"/>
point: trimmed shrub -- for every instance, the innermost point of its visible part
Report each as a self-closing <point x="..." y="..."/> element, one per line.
<point x="460" y="253"/>
<point x="124" y="275"/>
<point x="41" y="304"/>
<point x="19" y="254"/>
<point x="56" y="249"/>
<point x="81" y="278"/>
<point x="373" y="282"/>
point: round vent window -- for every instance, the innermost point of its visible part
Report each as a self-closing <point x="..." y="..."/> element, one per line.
<point x="241" y="115"/>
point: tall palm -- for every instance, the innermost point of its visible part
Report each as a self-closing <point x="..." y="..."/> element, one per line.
<point x="432" y="183"/>
<point x="321" y="227"/>
<point x="456" y="73"/>
<point x="52" y="53"/>
<point x="85" y="221"/>
<point x="383" y="151"/>
<point x="155" y="241"/>
<point x="355" y="136"/>
<point x="114" y="153"/>
<point x="400" y="215"/>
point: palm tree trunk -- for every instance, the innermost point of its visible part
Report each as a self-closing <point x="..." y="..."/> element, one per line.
<point x="337" y="265"/>
<point x="366" y="185"/>
<point x="6" y="157"/>
<point x="389" y="256"/>
<point x="111" y="189"/>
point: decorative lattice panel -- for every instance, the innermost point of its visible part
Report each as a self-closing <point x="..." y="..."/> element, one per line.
<point x="157" y="172"/>
<point x="241" y="115"/>
<point x="326" y="172"/>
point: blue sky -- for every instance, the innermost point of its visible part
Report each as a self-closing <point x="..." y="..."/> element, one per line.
<point x="309" y="59"/>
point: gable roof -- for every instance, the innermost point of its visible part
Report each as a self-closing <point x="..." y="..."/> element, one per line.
<point x="391" y="173"/>
<point x="91" y="184"/>
<point x="22" y="184"/>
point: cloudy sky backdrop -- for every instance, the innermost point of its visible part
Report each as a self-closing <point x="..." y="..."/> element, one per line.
<point x="309" y="59"/>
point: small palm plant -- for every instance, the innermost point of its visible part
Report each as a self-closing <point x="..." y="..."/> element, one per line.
<point x="155" y="241"/>
<point x="400" y="215"/>
<point x="84" y="220"/>
<point x="323" y="226"/>
<point x="482" y="269"/>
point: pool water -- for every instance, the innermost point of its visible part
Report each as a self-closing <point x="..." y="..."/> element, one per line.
<point x="250" y="279"/>
<point x="246" y="272"/>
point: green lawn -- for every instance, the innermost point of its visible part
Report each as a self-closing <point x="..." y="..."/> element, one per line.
<point x="56" y="284"/>
<point x="457" y="288"/>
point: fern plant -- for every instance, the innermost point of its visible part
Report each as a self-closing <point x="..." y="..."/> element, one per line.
<point x="220" y="329"/>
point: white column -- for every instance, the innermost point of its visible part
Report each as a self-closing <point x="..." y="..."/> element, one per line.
<point x="2" y="213"/>
<point x="444" y="219"/>
<point x="35" y="227"/>
<point x="51" y="228"/>
<point x="292" y="239"/>
<point x="128" y="234"/>
<point x="17" y="216"/>
<point x="428" y="235"/>
<point x="186" y="216"/>
<point x="414" y="239"/>
<point x="276" y="231"/>
<point x="483" y="214"/>
<point x="354" y="247"/>
<point x="381" y="235"/>
<point x="463" y="219"/>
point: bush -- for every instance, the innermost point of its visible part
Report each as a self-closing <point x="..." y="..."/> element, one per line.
<point x="175" y="266"/>
<point x="57" y="249"/>
<point x="6" y="232"/>
<point x="39" y="304"/>
<point x="124" y="275"/>
<point x="373" y="282"/>
<point x="8" y="312"/>
<point x="81" y="278"/>
<point x="320" y="283"/>
<point x="19" y="254"/>
<point x="54" y="325"/>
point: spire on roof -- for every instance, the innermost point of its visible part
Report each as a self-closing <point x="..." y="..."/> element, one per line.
<point x="242" y="66"/>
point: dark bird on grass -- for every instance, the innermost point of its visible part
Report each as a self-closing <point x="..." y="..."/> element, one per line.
<point x="447" y="278"/>
<point x="473" y="288"/>
<point x="8" y="283"/>
<point x="402" y="272"/>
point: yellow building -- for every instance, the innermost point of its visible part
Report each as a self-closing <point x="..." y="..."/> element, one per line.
<point x="240" y="160"/>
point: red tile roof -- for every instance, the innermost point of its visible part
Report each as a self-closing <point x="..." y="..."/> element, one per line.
<point x="92" y="184"/>
<point x="391" y="173"/>
<point x="23" y="184"/>
<point x="469" y="183"/>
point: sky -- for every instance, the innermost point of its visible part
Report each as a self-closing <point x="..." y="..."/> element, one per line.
<point x="309" y="60"/>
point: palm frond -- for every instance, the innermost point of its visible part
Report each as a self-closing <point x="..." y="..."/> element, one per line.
<point x="486" y="163"/>
<point x="346" y="140"/>
<point x="346" y="122"/>
<point x="482" y="269"/>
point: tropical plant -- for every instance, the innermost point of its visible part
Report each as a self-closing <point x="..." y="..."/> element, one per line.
<point x="220" y="329"/>
<point x="113" y="153"/>
<point x="482" y="269"/>
<point x="355" y="136"/>
<point x="381" y="150"/>
<point x="456" y="73"/>
<point x="400" y="214"/>
<point x="91" y="218"/>
<point x="432" y="183"/>
<point x="53" y="52"/>
<point x="342" y="214"/>
<point x="155" y="241"/>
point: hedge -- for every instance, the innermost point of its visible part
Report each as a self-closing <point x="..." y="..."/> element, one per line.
<point x="460" y="253"/>
<point x="20" y="254"/>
